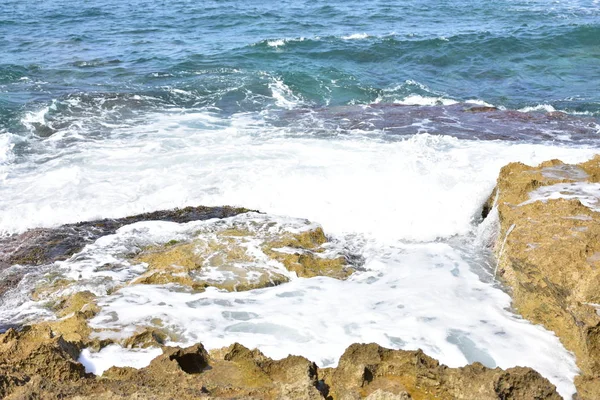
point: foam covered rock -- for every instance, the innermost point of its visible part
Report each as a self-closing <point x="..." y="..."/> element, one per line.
<point x="243" y="256"/>
<point x="46" y="245"/>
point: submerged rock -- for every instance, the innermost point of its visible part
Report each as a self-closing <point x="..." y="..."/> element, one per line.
<point x="462" y="120"/>
<point x="548" y="250"/>
<point x="34" y="364"/>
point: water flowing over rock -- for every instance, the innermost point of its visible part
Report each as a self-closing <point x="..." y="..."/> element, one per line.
<point x="460" y="120"/>
<point x="46" y="245"/>
<point x="196" y="248"/>
<point x="548" y="250"/>
<point x="234" y="257"/>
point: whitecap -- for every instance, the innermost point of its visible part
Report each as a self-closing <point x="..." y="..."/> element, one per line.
<point x="418" y="100"/>
<point x="276" y="43"/>
<point x="283" y="94"/>
<point x="355" y="36"/>
<point x="539" y="107"/>
<point x="6" y="148"/>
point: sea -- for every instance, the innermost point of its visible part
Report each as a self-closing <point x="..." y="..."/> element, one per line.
<point x="385" y="122"/>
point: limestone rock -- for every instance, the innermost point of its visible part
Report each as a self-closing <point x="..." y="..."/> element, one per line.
<point x="305" y="258"/>
<point x="36" y="364"/>
<point x="548" y="251"/>
<point x="36" y="352"/>
<point x="242" y="257"/>
<point x="83" y="302"/>
<point x="369" y="370"/>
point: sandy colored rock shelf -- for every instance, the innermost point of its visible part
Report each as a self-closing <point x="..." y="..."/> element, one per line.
<point x="548" y="250"/>
<point x="38" y="363"/>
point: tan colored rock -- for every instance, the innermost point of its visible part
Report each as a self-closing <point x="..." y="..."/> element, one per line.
<point x="306" y="259"/>
<point x="48" y="286"/>
<point x="147" y="338"/>
<point x="84" y="302"/>
<point x="36" y="352"/>
<point x="222" y="259"/>
<point x="382" y="395"/>
<point x="549" y="254"/>
<point x="369" y="370"/>
<point x="36" y="364"/>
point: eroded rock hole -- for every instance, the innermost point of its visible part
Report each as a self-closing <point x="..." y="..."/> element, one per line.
<point x="190" y="363"/>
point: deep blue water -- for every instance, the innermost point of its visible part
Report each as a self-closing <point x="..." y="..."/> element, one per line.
<point x="225" y="54"/>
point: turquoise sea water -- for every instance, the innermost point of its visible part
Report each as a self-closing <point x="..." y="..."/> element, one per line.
<point x="511" y="53"/>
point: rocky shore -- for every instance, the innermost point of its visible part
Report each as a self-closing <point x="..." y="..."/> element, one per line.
<point x="39" y="362"/>
<point x="548" y="251"/>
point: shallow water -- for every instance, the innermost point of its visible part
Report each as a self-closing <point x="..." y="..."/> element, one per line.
<point x="385" y="123"/>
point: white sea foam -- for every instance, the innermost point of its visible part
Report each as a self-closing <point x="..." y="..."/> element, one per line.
<point x="417" y="100"/>
<point x="587" y="193"/>
<point x="409" y="296"/>
<point x="355" y="36"/>
<point x="181" y="92"/>
<point x="282" y="42"/>
<point x="6" y="154"/>
<point x="33" y="118"/>
<point x="113" y="355"/>
<point x="418" y="95"/>
<point x="6" y="146"/>
<point x="539" y="107"/>
<point x="276" y="43"/>
<point x="420" y="188"/>
<point x="283" y="95"/>
<point x="480" y="103"/>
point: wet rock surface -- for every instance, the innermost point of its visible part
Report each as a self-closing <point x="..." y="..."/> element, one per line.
<point x="233" y="258"/>
<point x="46" y="245"/>
<point x="467" y="121"/>
<point x="37" y="363"/>
<point x="548" y="251"/>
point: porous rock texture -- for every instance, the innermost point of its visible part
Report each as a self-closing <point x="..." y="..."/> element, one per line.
<point x="35" y="363"/>
<point x="548" y="251"/>
<point x="225" y="254"/>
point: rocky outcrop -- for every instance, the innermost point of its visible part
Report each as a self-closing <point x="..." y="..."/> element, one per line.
<point x="236" y="255"/>
<point x="34" y="363"/>
<point x="374" y="372"/>
<point x="240" y="253"/>
<point x="238" y="259"/>
<point x="46" y="245"/>
<point x="548" y="251"/>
